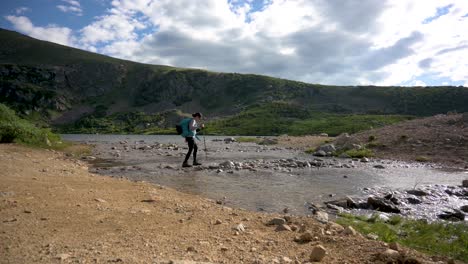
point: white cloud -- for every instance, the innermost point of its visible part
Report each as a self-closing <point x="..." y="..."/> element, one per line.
<point x="22" y="10"/>
<point x="388" y="42"/>
<point x="72" y="7"/>
<point x="61" y="35"/>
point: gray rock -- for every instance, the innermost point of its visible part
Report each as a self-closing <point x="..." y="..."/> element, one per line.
<point x="364" y="160"/>
<point x="412" y="200"/>
<point x="320" y="153"/>
<point x="455" y="215"/>
<point x="327" y="148"/>
<point x="229" y="140"/>
<point x="378" y="166"/>
<point x="227" y="164"/>
<point x="417" y="192"/>
<point x="383" y="205"/>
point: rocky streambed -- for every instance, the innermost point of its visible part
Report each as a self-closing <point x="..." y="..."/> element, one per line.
<point x="275" y="178"/>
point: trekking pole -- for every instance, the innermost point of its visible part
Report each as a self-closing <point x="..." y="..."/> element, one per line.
<point x="206" y="150"/>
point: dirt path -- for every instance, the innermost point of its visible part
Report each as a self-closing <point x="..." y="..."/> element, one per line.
<point x="52" y="210"/>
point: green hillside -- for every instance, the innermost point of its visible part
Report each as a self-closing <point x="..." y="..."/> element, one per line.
<point x="79" y="91"/>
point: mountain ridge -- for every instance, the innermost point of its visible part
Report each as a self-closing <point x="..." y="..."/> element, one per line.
<point x="56" y="84"/>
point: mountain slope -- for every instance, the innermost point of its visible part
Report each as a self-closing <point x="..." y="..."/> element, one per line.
<point x="51" y="83"/>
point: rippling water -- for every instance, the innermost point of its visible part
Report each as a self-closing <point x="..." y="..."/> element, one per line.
<point x="264" y="189"/>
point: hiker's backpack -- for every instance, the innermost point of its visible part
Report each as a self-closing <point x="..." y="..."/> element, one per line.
<point x="183" y="127"/>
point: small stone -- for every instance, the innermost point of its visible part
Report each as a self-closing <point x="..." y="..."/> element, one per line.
<point x="62" y="256"/>
<point x="465" y="183"/>
<point x="349" y="231"/>
<point x="27" y="211"/>
<point x="191" y="249"/>
<point x="389" y="255"/>
<point x="394" y="246"/>
<point x="240" y="228"/>
<point x="100" y="200"/>
<point x="305" y="237"/>
<point x="318" y="253"/>
<point x="286" y="260"/>
<point x="218" y="222"/>
<point x="277" y="221"/>
<point x="283" y="228"/>
<point x="372" y="236"/>
<point x="378" y="166"/>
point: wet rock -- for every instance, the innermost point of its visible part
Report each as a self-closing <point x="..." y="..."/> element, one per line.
<point x="455" y="215"/>
<point x="383" y="205"/>
<point x="465" y="183"/>
<point x="346" y="203"/>
<point x="318" y="253"/>
<point x="320" y="153"/>
<point x="364" y="160"/>
<point x="277" y="221"/>
<point x="417" y="192"/>
<point x="464" y="208"/>
<point x="378" y="166"/>
<point x="412" y="200"/>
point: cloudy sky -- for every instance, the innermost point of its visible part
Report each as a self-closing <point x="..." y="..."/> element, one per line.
<point x="342" y="42"/>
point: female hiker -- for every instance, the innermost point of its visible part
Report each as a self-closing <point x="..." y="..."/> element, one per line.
<point x="190" y="127"/>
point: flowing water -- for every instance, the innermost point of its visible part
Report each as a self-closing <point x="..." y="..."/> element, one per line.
<point x="266" y="188"/>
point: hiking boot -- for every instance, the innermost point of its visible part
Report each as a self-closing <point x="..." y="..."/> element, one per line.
<point x="196" y="163"/>
<point x="186" y="165"/>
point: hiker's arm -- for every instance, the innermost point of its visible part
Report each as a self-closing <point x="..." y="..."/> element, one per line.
<point x="191" y="125"/>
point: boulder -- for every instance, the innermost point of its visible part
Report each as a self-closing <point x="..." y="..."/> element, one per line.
<point x="383" y="205"/>
<point x="327" y="148"/>
<point x="455" y="215"/>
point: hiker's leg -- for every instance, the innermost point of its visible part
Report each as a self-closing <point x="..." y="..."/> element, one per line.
<point x="190" y="143"/>
<point x="195" y="149"/>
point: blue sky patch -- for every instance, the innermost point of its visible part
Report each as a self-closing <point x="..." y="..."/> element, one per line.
<point x="440" y="12"/>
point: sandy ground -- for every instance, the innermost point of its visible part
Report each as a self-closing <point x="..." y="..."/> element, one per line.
<point x="52" y="210"/>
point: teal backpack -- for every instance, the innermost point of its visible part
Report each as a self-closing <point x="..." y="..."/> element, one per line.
<point x="183" y="127"/>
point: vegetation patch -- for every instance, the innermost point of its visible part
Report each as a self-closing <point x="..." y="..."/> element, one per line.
<point x="16" y="130"/>
<point x="439" y="238"/>
<point x="248" y="139"/>
<point x="360" y="153"/>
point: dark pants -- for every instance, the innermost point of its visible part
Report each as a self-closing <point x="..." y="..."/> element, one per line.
<point x="191" y="146"/>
